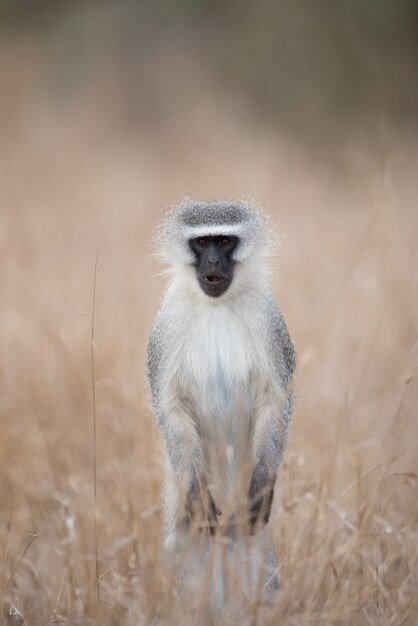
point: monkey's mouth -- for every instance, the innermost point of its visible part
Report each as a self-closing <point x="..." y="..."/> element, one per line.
<point x="214" y="279"/>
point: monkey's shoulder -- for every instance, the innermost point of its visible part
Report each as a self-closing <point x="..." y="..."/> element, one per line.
<point x="281" y="344"/>
<point x="237" y="338"/>
<point x="163" y="341"/>
<point x="155" y="351"/>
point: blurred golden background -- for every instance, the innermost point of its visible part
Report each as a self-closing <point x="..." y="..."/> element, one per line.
<point x="109" y="113"/>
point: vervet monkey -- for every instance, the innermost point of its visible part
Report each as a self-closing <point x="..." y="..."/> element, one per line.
<point x="220" y="367"/>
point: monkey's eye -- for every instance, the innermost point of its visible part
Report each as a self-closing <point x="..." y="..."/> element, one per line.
<point x="202" y="242"/>
<point x="225" y="241"/>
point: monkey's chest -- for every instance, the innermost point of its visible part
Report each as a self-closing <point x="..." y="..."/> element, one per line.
<point x="220" y="382"/>
<point x="224" y="402"/>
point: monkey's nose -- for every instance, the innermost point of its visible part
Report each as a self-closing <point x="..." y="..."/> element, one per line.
<point x="213" y="260"/>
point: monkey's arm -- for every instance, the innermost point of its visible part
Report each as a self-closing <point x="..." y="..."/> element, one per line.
<point x="271" y="423"/>
<point x="269" y="442"/>
<point x="181" y="439"/>
<point x="185" y="454"/>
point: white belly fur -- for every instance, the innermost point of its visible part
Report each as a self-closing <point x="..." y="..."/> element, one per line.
<point x="220" y="378"/>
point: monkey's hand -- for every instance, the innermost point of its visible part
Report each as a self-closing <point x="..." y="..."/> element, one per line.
<point x="260" y="499"/>
<point x="200" y="506"/>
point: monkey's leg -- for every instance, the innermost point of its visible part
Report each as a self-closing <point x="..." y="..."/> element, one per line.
<point x="271" y="577"/>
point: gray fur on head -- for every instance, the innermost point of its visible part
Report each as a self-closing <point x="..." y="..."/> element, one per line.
<point x="197" y="218"/>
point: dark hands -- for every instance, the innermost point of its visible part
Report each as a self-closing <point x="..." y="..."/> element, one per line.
<point x="200" y="506"/>
<point x="260" y="499"/>
<point x="260" y="509"/>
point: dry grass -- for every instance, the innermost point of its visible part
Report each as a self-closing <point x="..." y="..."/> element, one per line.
<point x="76" y="176"/>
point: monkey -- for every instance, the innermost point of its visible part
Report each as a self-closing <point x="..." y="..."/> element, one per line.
<point x="220" y="369"/>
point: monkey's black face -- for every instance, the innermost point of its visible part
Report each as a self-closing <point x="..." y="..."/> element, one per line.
<point x="214" y="263"/>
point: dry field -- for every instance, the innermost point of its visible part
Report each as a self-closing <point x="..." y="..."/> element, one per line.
<point x="80" y="170"/>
